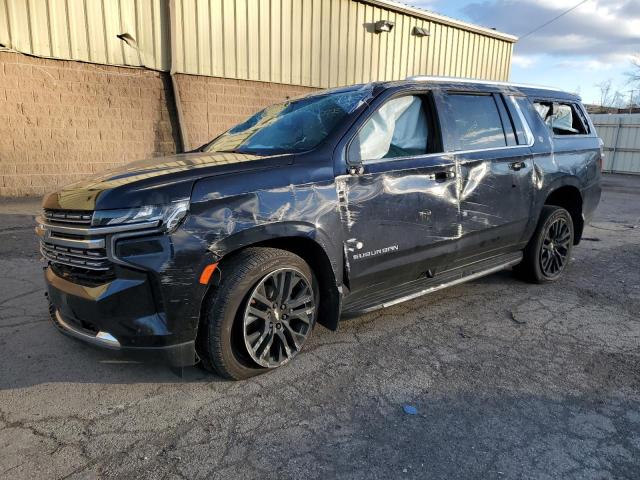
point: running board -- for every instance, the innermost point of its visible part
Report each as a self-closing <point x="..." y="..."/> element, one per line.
<point x="376" y="299"/>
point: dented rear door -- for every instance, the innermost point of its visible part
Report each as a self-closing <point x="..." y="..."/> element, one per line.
<point x="494" y="169"/>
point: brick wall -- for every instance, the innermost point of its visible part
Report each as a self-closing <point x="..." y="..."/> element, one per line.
<point x="61" y="121"/>
<point x="212" y="105"/>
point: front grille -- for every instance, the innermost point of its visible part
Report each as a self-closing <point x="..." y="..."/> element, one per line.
<point x="73" y="217"/>
<point x="92" y="259"/>
<point x="70" y="246"/>
<point x="76" y="250"/>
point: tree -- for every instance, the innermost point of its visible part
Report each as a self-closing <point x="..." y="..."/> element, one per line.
<point x="606" y="97"/>
<point x="634" y="73"/>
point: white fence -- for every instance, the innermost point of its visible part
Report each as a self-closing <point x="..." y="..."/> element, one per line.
<point x="621" y="135"/>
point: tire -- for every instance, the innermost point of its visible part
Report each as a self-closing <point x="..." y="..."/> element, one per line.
<point x="548" y="253"/>
<point x="233" y="317"/>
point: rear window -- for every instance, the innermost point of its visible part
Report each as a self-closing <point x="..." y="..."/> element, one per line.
<point x="561" y="118"/>
<point x="474" y="122"/>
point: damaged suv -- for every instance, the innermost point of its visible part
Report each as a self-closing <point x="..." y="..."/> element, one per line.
<point x="334" y="204"/>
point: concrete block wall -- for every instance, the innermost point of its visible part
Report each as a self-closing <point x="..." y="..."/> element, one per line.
<point x="61" y="121"/>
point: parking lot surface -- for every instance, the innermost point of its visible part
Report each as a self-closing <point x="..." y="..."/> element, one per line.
<point x="508" y="380"/>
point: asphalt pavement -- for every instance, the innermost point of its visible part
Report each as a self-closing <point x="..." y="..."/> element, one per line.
<point x="507" y="380"/>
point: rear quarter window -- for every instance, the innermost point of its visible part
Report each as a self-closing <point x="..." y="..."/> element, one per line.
<point x="562" y="119"/>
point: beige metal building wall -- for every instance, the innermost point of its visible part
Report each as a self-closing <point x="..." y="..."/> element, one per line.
<point x="87" y="30"/>
<point x="327" y="43"/>
<point x="315" y="43"/>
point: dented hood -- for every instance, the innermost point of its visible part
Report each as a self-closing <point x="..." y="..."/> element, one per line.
<point x="155" y="181"/>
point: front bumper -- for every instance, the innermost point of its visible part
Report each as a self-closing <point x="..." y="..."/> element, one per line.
<point x="133" y="291"/>
<point x="118" y="316"/>
<point x="180" y="355"/>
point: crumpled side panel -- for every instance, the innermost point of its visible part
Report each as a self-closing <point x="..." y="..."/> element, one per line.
<point x="229" y="222"/>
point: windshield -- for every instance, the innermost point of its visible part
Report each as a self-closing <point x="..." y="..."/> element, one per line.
<point x="294" y="126"/>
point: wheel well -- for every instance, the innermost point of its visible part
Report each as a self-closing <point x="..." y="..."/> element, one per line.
<point x="570" y="199"/>
<point x="312" y="253"/>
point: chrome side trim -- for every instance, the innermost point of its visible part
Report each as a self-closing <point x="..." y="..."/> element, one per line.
<point x="451" y="154"/>
<point x="95" y="231"/>
<point x="104" y="339"/>
<point x="452" y="283"/>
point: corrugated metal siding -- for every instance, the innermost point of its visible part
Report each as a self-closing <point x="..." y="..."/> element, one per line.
<point x="621" y="136"/>
<point x="325" y="43"/>
<point x="86" y="30"/>
<point x="316" y="43"/>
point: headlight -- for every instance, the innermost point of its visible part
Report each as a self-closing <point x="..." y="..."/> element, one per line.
<point x="167" y="216"/>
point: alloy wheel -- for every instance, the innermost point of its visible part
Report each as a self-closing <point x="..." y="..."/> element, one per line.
<point x="555" y="248"/>
<point x="279" y="317"/>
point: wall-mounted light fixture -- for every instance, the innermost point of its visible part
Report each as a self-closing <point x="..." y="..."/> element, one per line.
<point x="421" y="32"/>
<point x="383" y="26"/>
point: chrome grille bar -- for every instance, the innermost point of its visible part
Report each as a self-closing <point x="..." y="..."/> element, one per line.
<point x="73" y="252"/>
<point x="74" y="260"/>
<point x="94" y="231"/>
<point x="68" y="216"/>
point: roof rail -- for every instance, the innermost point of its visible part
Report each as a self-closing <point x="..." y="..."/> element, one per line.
<point x="427" y="78"/>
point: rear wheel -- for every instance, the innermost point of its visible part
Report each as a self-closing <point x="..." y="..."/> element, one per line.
<point x="547" y="254"/>
<point x="261" y="314"/>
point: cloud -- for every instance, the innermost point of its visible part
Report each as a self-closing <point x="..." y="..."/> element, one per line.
<point x="524" y="61"/>
<point x="586" y="64"/>
<point x="602" y="30"/>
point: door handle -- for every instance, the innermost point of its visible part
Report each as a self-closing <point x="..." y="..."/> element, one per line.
<point x="517" y="166"/>
<point x="443" y="176"/>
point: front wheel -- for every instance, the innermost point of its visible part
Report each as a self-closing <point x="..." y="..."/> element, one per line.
<point x="261" y="314"/>
<point x="547" y="254"/>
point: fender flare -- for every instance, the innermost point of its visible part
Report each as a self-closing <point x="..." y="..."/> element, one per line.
<point x="561" y="182"/>
<point x="329" y="314"/>
<point x="274" y="231"/>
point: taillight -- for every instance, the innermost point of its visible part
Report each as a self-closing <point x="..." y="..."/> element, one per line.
<point x="601" y="158"/>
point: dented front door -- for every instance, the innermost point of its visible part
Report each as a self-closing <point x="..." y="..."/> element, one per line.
<point x="400" y="218"/>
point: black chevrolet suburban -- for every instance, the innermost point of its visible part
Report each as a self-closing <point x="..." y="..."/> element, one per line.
<point x="334" y="204"/>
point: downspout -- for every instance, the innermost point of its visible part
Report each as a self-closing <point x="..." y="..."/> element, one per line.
<point x="184" y="142"/>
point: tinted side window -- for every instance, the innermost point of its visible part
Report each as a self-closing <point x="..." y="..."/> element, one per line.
<point x="561" y="118"/>
<point x="399" y="128"/>
<point x="475" y="122"/>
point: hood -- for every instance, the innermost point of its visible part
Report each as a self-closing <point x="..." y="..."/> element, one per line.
<point x="155" y="181"/>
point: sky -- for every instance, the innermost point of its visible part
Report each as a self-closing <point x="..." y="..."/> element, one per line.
<point x="590" y="45"/>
